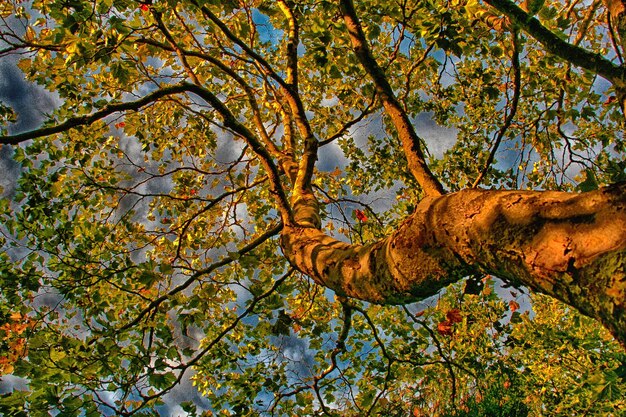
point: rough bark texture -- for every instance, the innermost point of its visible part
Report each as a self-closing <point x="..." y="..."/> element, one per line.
<point x="570" y="246"/>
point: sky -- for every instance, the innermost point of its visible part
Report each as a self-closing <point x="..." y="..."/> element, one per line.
<point x="30" y="102"/>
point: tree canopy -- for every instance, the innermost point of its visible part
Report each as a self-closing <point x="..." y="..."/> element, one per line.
<point x="316" y="208"/>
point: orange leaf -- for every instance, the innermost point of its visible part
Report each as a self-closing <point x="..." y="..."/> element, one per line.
<point x="513" y="306"/>
<point x="445" y="328"/>
<point x="336" y="173"/>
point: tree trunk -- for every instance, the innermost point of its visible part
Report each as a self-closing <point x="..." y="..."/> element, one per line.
<point x="569" y="246"/>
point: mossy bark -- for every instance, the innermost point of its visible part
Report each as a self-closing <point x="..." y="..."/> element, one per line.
<point x="569" y="246"/>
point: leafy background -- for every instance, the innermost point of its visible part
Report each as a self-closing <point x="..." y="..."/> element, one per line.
<point x="141" y="251"/>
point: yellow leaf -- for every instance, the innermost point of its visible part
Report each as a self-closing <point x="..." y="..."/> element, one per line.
<point x="30" y="34"/>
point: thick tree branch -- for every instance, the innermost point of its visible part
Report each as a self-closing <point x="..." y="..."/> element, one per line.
<point x="616" y="19"/>
<point x="98" y="115"/>
<point x="569" y="246"/>
<point x="304" y="176"/>
<point x="578" y="56"/>
<point x="292" y="44"/>
<point x="410" y="141"/>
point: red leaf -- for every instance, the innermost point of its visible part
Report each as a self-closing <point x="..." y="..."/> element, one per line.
<point x="454" y="316"/>
<point x="513" y="306"/>
<point x="360" y="215"/>
<point x="445" y="328"/>
<point x="119" y="125"/>
<point x="144" y="7"/>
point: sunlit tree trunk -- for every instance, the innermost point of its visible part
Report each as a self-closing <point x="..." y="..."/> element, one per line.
<point x="570" y="246"/>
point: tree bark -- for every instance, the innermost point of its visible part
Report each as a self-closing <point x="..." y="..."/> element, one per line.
<point x="567" y="245"/>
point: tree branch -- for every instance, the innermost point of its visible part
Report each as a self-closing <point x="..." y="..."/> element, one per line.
<point x="258" y="121"/>
<point x="517" y="77"/>
<point x="211" y="344"/>
<point x="304" y="176"/>
<point x="305" y="205"/>
<point x="174" y="45"/>
<point x="576" y="55"/>
<point x="344" y="129"/>
<point x="569" y="246"/>
<point x="292" y="44"/>
<point x="261" y="151"/>
<point x="410" y="141"/>
<point x="229" y="121"/>
<point x="273" y="231"/>
<point x="98" y="115"/>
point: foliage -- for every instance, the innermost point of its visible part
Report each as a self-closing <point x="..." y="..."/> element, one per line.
<point x="141" y="246"/>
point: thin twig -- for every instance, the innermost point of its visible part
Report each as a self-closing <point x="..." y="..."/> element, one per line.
<point x="515" y="64"/>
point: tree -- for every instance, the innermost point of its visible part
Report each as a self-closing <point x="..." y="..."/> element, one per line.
<point x="179" y="210"/>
